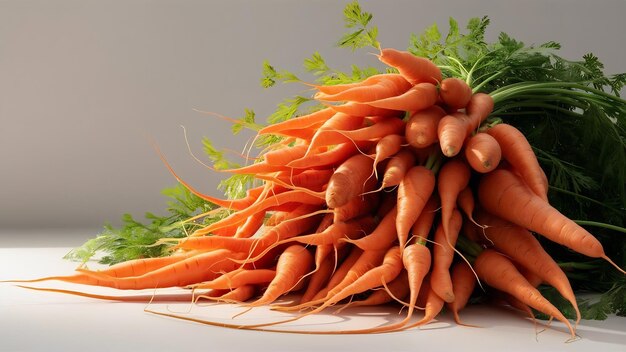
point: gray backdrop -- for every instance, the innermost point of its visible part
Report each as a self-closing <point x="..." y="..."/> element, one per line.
<point x="85" y="85"/>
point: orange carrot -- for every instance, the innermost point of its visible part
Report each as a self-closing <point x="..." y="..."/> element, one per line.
<point x="414" y="68"/>
<point x="300" y="122"/>
<point x="443" y="254"/>
<point x="463" y="284"/>
<point x="453" y="177"/>
<point x="418" y="97"/>
<point x="250" y="226"/>
<point x="421" y="128"/>
<point x="238" y="278"/>
<point x="498" y="272"/>
<point x="338" y="88"/>
<point x="477" y="109"/>
<point x="397" y="167"/>
<point x="520" y="245"/>
<point x="483" y="152"/>
<point x="386" y="147"/>
<point x="388" y="86"/>
<point x="284" y="155"/>
<point x="422" y="226"/>
<point x="292" y="264"/>
<point x="382" y="237"/>
<point x="413" y="193"/>
<point x="357" y="206"/>
<point x="518" y="152"/>
<point x="348" y="181"/>
<point x="455" y="93"/>
<point x="398" y="288"/>
<point x="376" y="131"/>
<point x="362" y="109"/>
<point x="451" y="132"/>
<point x="466" y="202"/>
<point x="330" y="158"/>
<point x="505" y="195"/>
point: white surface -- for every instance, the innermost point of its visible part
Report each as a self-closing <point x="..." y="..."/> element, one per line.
<point x="43" y="321"/>
<point x="83" y="82"/>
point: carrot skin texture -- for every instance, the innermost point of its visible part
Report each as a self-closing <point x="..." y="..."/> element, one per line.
<point x="421" y="128"/>
<point x="483" y="152"/>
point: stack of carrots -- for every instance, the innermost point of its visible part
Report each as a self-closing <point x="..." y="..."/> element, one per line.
<point x="397" y="190"/>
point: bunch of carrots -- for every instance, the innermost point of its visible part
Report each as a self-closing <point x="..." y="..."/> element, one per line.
<point x="397" y="190"/>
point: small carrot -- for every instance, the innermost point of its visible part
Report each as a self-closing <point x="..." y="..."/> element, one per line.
<point x="498" y="272"/>
<point x="386" y="147"/>
<point x="421" y="128"/>
<point x="455" y="93"/>
<point x="451" y="132"/>
<point x="483" y="152"/>
<point x="397" y="167"/>
<point x="478" y="109"/>
<point x="467" y="203"/>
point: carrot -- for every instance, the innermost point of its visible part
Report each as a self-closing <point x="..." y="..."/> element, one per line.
<point x="518" y="152"/>
<point x="272" y="201"/>
<point x="455" y="92"/>
<point x="324" y="268"/>
<point x="418" y="97"/>
<point x="421" y="128"/>
<point x="483" y="152"/>
<point x="397" y="167"/>
<point x="417" y="262"/>
<point x="504" y="194"/>
<point x="422" y="226"/>
<point x="386" y="147"/>
<point x="348" y="181"/>
<point x="414" y="68"/>
<point x="382" y="237"/>
<point x="463" y="284"/>
<point x="238" y="278"/>
<point x="465" y="201"/>
<point x="184" y="297"/>
<point x="398" y="288"/>
<point x="330" y="158"/>
<point x="521" y="246"/>
<point x="256" y="168"/>
<point x="478" y="108"/>
<point x="201" y="267"/>
<point x="292" y="264"/>
<point x="338" y="88"/>
<point x="362" y="109"/>
<point x="357" y="206"/>
<point x="451" y="132"/>
<point x="285" y="155"/>
<point x="413" y="193"/>
<point x="357" y="281"/>
<point x="376" y="131"/>
<point x="432" y="303"/>
<point x="388" y="86"/>
<point x="300" y="122"/>
<point x="443" y="255"/>
<point x="250" y="226"/>
<point x="238" y="295"/>
<point x="498" y="272"/>
<point x="453" y="177"/>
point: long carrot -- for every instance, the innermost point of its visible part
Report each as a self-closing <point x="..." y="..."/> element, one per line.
<point x="418" y="97"/>
<point x="504" y="194"/>
<point x="443" y="254"/>
<point x="498" y="272"/>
